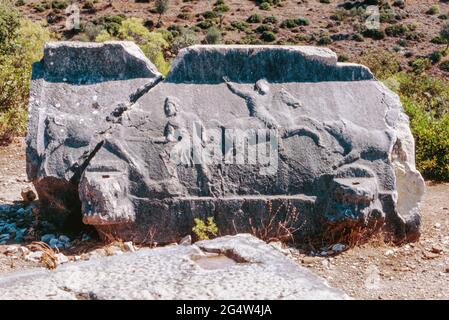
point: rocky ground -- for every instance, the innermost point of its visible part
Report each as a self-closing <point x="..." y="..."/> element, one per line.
<point x="381" y="271"/>
<point x="376" y="270"/>
<point x="230" y="267"/>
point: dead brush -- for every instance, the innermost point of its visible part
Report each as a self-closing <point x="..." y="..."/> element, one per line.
<point x="351" y="233"/>
<point x="49" y="257"/>
<point x="150" y="237"/>
<point x="112" y="240"/>
<point x="277" y="225"/>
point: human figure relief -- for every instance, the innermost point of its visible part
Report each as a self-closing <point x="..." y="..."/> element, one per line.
<point x="187" y="132"/>
<point x="258" y="102"/>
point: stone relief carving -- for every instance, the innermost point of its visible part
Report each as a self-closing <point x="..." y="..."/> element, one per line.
<point x="141" y="157"/>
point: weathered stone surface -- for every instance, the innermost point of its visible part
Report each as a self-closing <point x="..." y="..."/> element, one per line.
<point x="231" y="267"/>
<point x="138" y="163"/>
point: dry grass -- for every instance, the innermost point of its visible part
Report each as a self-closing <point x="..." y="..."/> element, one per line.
<point x="48" y="258"/>
<point x="277" y="225"/>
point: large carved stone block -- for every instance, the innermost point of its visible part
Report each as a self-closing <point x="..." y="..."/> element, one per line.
<point x="232" y="132"/>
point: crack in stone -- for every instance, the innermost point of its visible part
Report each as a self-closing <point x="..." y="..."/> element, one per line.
<point x="79" y="169"/>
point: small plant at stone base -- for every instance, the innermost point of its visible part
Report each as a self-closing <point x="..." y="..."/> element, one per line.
<point x="204" y="230"/>
<point x="277" y="225"/>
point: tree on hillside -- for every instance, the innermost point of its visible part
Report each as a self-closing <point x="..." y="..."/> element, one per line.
<point x="444" y="33"/>
<point x="161" y="6"/>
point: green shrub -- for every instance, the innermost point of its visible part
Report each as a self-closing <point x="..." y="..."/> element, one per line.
<point x="444" y="33"/>
<point x="426" y="101"/>
<point x="444" y="66"/>
<point x="302" y="21"/>
<point x="39" y="7"/>
<point x="263" y="27"/>
<point x="292" y="23"/>
<point x="250" y="39"/>
<point x="89" y="5"/>
<point x="399" y="4"/>
<point x="21" y="43"/>
<point x="435" y="57"/>
<point x="382" y="63"/>
<point x="265" y="6"/>
<point x="268" y="36"/>
<point x="388" y="16"/>
<point x="209" y="15"/>
<point x="357" y="37"/>
<point x="239" y="25"/>
<point x="152" y="44"/>
<point x="59" y="4"/>
<point x="324" y="40"/>
<point x="92" y="30"/>
<point x="396" y="30"/>
<point x="203" y="230"/>
<point x="205" y="24"/>
<point x="111" y="23"/>
<point x="376" y="34"/>
<point x="431" y="135"/>
<point x="438" y="40"/>
<point x="254" y="18"/>
<point x="221" y="8"/>
<point x="185" y="39"/>
<point x="434" y="9"/>
<point x="419" y="65"/>
<point x="343" y="57"/>
<point x="304" y="37"/>
<point x="213" y="35"/>
<point x="270" y="19"/>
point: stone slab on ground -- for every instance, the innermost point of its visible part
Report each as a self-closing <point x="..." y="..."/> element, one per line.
<point x="231" y="267"/>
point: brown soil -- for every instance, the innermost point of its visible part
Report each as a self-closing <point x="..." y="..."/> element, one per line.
<point x="381" y="271"/>
<point x="318" y="13"/>
<point x="371" y="271"/>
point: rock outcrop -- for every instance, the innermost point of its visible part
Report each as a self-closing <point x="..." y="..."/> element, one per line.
<point x="240" y="133"/>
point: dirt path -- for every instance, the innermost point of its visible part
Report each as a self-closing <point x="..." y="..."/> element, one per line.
<point x="12" y="171"/>
<point x="372" y="271"/>
<point x="380" y="271"/>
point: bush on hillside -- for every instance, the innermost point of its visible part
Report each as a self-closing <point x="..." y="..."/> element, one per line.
<point x="21" y="43"/>
<point x="152" y="44"/>
<point x="426" y="101"/>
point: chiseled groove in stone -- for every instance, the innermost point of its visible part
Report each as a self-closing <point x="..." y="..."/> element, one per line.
<point x="254" y="197"/>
